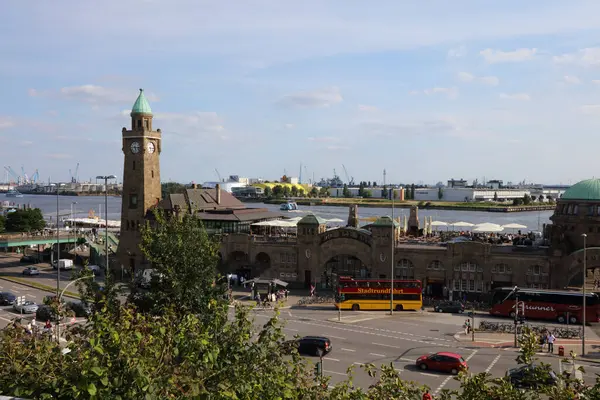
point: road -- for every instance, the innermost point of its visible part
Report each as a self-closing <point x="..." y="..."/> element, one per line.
<point x="374" y="337"/>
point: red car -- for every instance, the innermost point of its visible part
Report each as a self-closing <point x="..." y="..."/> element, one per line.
<point x="444" y="362"/>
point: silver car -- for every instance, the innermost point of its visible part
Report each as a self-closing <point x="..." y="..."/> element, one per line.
<point x="31" y="271"/>
<point x="28" y="307"/>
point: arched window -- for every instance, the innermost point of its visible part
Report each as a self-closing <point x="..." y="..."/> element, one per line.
<point x="468" y="267"/>
<point x="405" y="269"/>
<point x="435" y="265"/>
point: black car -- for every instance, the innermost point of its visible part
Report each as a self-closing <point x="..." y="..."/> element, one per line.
<point x="79" y="308"/>
<point x="45" y="313"/>
<point x="531" y="376"/>
<point x="449" y="307"/>
<point x="28" y="259"/>
<point x="7" y="298"/>
<point x="311" y="345"/>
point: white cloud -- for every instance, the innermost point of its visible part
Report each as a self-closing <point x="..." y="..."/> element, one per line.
<point x="324" y="139"/>
<point x="59" y="156"/>
<point x="7" y="122"/>
<point x="94" y="94"/>
<point x="26" y="143"/>
<point x="591" y="109"/>
<point x="572" y="80"/>
<point x="288" y="126"/>
<point x="451" y="92"/>
<point x="498" y="56"/>
<point x="366" y="108"/>
<point x="457" y="52"/>
<point x="486" y="80"/>
<point x="325" y="97"/>
<point x="588" y="57"/>
<point x="596" y="81"/>
<point x="414" y="92"/>
<point x="515" y="96"/>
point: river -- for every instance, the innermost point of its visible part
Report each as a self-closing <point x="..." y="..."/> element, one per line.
<point x="82" y="205"/>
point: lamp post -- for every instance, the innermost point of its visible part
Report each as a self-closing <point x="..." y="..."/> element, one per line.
<point x="393" y="248"/>
<point x="72" y="222"/>
<point x="106" y="178"/>
<point x="57" y="185"/>
<point x="583" y="292"/>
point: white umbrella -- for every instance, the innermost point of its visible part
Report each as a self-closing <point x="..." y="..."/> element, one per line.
<point x="514" y="226"/>
<point x="461" y="223"/>
<point x="335" y="220"/>
<point x="439" y="223"/>
<point x="488" y="227"/>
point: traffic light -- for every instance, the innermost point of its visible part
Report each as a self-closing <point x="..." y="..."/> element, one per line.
<point x="318" y="369"/>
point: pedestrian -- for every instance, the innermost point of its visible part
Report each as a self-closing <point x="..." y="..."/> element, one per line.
<point x="467" y="327"/>
<point x="427" y="395"/>
<point x="551" y="339"/>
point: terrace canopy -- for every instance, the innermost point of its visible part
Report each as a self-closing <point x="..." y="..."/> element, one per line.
<point x="488" y="227"/>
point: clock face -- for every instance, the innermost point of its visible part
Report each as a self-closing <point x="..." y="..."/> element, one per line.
<point x="135" y="147"/>
<point x="150" y="147"/>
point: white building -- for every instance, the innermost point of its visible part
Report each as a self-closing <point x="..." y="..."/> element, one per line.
<point x="468" y="194"/>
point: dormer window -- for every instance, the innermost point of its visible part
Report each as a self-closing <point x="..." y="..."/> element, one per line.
<point x="139" y="123"/>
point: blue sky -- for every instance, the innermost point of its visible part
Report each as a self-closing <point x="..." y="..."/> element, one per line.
<point x="428" y="91"/>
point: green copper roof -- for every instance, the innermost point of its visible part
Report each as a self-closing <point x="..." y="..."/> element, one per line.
<point x="584" y="190"/>
<point x="311" y="219"/>
<point x="385" y="221"/>
<point x="141" y="105"/>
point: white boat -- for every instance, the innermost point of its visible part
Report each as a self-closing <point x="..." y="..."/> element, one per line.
<point x="13" y="193"/>
<point x="289" y="206"/>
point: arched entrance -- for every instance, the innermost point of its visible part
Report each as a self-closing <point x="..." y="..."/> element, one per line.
<point x="262" y="262"/>
<point x="344" y="265"/>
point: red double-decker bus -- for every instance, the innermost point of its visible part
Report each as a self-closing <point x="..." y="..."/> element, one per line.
<point x="552" y="305"/>
<point x="374" y="294"/>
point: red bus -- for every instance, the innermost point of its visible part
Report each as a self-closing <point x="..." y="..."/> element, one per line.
<point x="374" y="294"/>
<point x="552" y="305"/>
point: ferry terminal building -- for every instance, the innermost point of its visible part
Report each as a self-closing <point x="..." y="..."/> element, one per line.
<point x="319" y="255"/>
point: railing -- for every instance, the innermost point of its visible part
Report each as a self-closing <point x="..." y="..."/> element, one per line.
<point x="25" y="237"/>
<point x="504" y="327"/>
<point x="316" y="300"/>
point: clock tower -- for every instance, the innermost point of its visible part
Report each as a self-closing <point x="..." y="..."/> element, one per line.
<point x="141" y="181"/>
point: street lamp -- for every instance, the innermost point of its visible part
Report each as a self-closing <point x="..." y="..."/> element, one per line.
<point x="583" y="292"/>
<point x="73" y="222"/>
<point x="106" y="178"/>
<point x="57" y="185"/>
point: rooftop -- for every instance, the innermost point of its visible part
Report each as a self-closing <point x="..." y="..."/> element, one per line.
<point x="141" y="105"/>
<point x="588" y="189"/>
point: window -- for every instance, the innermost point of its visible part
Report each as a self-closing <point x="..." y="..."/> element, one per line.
<point x="456" y="284"/>
<point x="468" y="266"/>
<point x="405" y="269"/>
<point x="133" y="201"/>
<point x="537" y="270"/>
<point x="501" y="268"/>
<point x="139" y="123"/>
<point x="576" y="209"/>
<point x="153" y="173"/>
<point x="472" y="285"/>
<point x="464" y="285"/>
<point x="436" y="264"/>
<point x="590" y="210"/>
<point x="457" y="267"/>
<point x="147" y="124"/>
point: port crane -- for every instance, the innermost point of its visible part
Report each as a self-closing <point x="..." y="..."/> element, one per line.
<point x="218" y="175"/>
<point x="348" y="178"/>
<point x="75" y="176"/>
<point x="13" y="174"/>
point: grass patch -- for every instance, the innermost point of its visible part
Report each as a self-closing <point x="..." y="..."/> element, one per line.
<point x="38" y="286"/>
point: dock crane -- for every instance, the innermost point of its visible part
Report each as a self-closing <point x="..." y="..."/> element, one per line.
<point x="218" y="175"/>
<point x="13" y="174"/>
<point x="348" y="177"/>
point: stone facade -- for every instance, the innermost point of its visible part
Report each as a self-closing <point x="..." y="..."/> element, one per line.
<point x="141" y="185"/>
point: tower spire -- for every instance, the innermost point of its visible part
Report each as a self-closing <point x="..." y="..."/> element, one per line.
<point x="141" y="105"/>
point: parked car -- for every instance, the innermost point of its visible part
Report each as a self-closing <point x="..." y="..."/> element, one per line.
<point x="310" y="345"/>
<point x="94" y="268"/>
<point x="7" y="298"/>
<point x="65" y="264"/>
<point x="79" y="308"/>
<point x="443" y="362"/>
<point x="28" y="259"/>
<point x="31" y="271"/>
<point x="449" y="307"/>
<point x="531" y="376"/>
<point x="28" y="307"/>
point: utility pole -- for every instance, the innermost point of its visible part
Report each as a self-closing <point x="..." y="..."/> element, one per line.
<point x="516" y="315"/>
<point x="473" y="324"/>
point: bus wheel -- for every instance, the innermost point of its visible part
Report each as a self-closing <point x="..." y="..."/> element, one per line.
<point x="399" y="307"/>
<point x="355" y="307"/>
<point x="573" y="320"/>
<point x="561" y="319"/>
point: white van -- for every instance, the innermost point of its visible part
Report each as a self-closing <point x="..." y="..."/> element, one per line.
<point x="63" y="264"/>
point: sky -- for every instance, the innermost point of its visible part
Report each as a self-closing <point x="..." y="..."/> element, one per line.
<point x="428" y="91"/>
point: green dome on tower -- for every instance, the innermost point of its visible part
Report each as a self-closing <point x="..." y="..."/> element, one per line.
<point x="588" y="189"/>
<point x="141" y="105"/>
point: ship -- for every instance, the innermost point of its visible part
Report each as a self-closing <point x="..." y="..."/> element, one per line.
<point x="13" y="193"/>
<point x="289" y="206"/>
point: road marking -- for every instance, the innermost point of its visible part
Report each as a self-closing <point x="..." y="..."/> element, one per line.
<point x="488" y="369"/>
<point x="291" y="329"/>
<point x="336" y="337"/>
<point x="426" y="374"/>
<point x="333" y="372"/>
<point x="377" y="355"/>
<point x="445" y="381"/>
<point x="347" y="349"/>
<point x="331" y="359"/>
<point x="289" y="313"/>
<point x="358" y="363"/>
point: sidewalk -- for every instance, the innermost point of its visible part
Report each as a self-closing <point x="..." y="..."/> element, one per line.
<point x="244" y="296"/>
<point x="506" y="341"/>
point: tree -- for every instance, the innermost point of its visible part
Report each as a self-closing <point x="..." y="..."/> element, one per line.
<point x="374" y="184"/>
<point x="346" y="192"/>
<point x="324" y="192"/>
<point x="541" y="198"/>
<point x="367" y="194"/>
<point x="517" y="202"/>
<point x="412" y="191"/>
<point x="368" y="184"/>
<point x="294" y="191"/>
<point x="314" y="192"/>
<point x="172" y="187"/>
<point x="2" y="223"/>
<point x="286" y="191"/>
<point x="268" y="192"/>
<point x="278" y="191"/>
<point x="550" y="199"/>
<point x="184" y="260"/>
<point x="361" y="190"/>
<point x="526" y="199"/>
<point x="30" y="220"/>
<point x="384" y="192"/>
<point x="440" y="193"/>
<point x="301" y="192"/>
<point x="495" y="196"/>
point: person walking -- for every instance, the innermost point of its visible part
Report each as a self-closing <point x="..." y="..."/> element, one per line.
<point x="467" y="327"/>
<point x="427" y="395"/>
<point x="551" y="339"/>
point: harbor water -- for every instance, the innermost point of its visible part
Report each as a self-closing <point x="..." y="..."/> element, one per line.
<point x="84" y="206"/>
